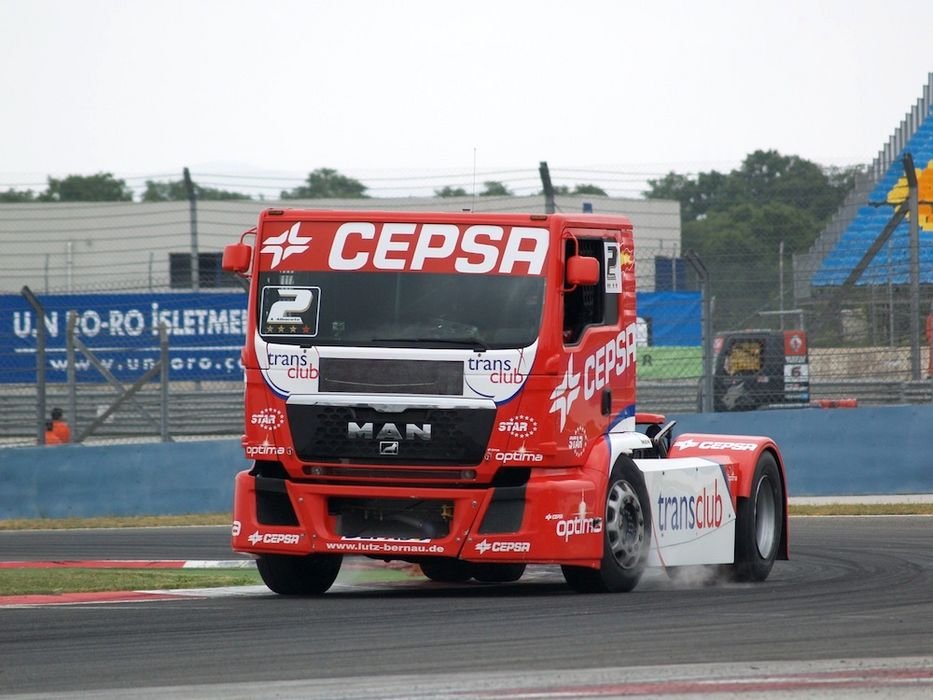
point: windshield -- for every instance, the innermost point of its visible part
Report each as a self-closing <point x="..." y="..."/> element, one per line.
<point x="400" y="309"/>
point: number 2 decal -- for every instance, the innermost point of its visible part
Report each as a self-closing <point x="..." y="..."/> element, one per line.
<point x="291" y="311"/>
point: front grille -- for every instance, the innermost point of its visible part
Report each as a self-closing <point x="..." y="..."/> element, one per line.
<point x="390" y="376"/>
<point x="390" y="517"/>
<point x="362" y="435"/>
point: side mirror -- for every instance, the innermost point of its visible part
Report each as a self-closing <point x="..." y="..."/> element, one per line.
<point x="581" y="270"/>
<point x="236" y="258"/>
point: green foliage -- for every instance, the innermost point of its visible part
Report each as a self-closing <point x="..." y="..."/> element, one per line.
<point x="448" y="191"/>
<point x="737" y="221"/>
<point x="589" y="189"/>
<point x="14" y="196"/>
<point x="175" y="191"/>
<point x="494" y="188"/>
<point x="327" y="183"/>
<point x="102" y="187"/>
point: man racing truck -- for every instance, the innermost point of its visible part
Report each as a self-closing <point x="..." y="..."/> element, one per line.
<point x="457" y="390"/>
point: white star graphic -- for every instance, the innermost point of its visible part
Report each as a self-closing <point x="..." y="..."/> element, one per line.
<point x="285" y="244"/>
<point x="483" y="547"/>
<point x="566" y="393"/>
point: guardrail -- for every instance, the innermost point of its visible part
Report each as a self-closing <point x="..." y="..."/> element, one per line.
<point x="218" y="410"/>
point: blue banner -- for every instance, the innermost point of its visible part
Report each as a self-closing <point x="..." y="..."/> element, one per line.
<point x="205" y="334"/>
<point x="671" y="318"/>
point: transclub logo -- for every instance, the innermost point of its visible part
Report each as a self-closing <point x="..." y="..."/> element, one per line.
<point x="285" y="245"/>
<point x="520" y="426"/>
<point x="501" y="371"/>
<point x="565" y="393"/>
<point x="697" y="512"/>
<point x="485" y="546"/>
<point x="296" y="366"/>
<point x="268" y="418"/>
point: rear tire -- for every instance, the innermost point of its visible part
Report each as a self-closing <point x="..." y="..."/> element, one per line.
<point x="299" y="575"/>
<point x="626" y="535"/>
<point x="759" y="526"/>
<point x="446" y="570"/>
<point x="498" y="573"/>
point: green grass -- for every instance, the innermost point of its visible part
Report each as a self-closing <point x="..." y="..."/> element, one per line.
<point x="224" y="519"/>
<point x="67" y="580"/>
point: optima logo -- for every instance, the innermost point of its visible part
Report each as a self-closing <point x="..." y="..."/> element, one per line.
<point x="704" y="510"/>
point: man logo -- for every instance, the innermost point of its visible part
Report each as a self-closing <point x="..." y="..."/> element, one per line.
<point x="388" y="448"/>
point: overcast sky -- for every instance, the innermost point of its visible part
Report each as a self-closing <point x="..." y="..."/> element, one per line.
<point x="393" y="89"/>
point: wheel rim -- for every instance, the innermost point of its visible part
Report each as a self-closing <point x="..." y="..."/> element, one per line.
<point x="625" y="524"/>
<point x="765" y="511"/>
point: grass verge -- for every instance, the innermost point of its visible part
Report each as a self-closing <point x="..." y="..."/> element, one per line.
<point x="224" y="519"/>
<point x="58" y="581"/>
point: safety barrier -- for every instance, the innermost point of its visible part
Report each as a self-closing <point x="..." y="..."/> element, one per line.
<point x="827" y="452"/>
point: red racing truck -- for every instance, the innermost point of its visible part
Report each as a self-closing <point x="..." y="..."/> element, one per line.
<point x="457" y="390"/>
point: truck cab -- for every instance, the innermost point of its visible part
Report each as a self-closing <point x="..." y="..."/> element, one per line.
<point x="457" y="390"/>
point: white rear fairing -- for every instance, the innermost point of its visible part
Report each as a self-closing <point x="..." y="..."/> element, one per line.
<point x="692" y="518"/>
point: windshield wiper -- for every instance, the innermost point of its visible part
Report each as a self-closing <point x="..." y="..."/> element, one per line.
<point x="475" y="343"/>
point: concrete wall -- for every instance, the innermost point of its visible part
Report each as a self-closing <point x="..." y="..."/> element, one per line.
<point x="831" y="452"/>
<point x="143" y="479"/>
<point x="838" y="452"/>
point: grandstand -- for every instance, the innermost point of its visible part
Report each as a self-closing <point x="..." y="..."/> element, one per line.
<point x="868" y="210"/>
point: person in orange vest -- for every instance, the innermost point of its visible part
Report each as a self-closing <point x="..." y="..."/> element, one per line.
<point x="59" y="426"/>
<point x="50" y="437"/>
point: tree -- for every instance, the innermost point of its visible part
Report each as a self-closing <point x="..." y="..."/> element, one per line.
<point x="494" y="188"/>
<point x="175" y="191"/>
<point x="102" y="187"/>
<point x="12" y="195"/>
<point x="589" y="189"/>
<point x="448" y="191"/>
<point x="327" y="183"/>
<point x="737" y="221"/>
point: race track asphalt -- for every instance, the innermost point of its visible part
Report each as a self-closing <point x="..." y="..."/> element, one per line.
<point x="856" y="591"/>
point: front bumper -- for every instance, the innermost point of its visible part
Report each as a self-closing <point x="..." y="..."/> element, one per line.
<point x="553" y="518"/>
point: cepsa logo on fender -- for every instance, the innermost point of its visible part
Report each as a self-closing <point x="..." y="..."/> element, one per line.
<point x="274" y="538"/>
<point x="504" y="547"/>
<point x="479" y="249"/>
<point x="717" y="445"/>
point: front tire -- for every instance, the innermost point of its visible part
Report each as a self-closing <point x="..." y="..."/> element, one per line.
<point x="759" y="526"/>
<point x="299" y="575"/>
<point x="446" y="570"/>
<point x="626" y="535"/>
<point x="498" y="573"/>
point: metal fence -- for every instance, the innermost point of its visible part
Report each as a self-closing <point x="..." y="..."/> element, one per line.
<point x="866" y="337"/>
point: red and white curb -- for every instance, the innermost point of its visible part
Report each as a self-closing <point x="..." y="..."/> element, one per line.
<point x="33" y="600"/>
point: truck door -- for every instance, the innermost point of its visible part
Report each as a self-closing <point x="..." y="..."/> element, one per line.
<point x="598" y="339"/>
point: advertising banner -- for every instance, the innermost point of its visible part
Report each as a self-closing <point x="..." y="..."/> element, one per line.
<point x="205" y="334"/>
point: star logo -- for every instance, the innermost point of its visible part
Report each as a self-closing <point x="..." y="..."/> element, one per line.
<point x="286" y="244"/>
<point x="684" y="444"/>
<point x="566" y="393"/>
<point x="483" y="547"/>
<point x="255" y="538"/>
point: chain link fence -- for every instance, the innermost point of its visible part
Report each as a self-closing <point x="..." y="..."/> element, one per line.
<point x="132" y="271"/>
